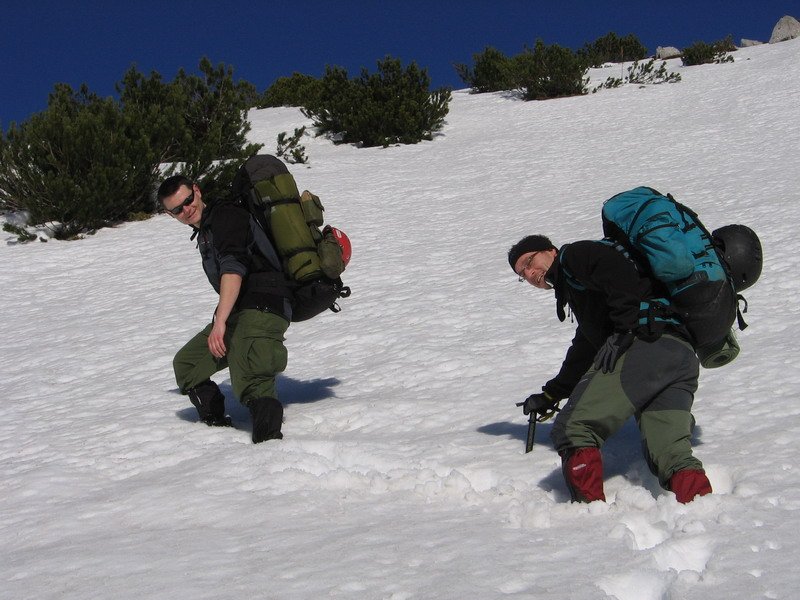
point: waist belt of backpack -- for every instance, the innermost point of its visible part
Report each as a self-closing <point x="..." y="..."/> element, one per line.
<point x="273" y="282"/>
<point x="654" y="314"/>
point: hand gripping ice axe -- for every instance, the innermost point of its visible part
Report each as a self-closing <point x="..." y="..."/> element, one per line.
<point x="539" y="408"/>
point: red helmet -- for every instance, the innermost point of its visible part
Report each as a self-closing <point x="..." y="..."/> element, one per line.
<point x="344" y="242"/>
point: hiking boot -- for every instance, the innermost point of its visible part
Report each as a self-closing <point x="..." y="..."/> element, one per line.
<point x="210" y="404"/>
<point x="687" y="484"/>
<point x="583" y="472"/>
<point x="267" y="416"/>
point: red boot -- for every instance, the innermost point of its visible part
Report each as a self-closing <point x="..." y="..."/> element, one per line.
<point x="687" y="484"/>
<point x="583" y="471"/>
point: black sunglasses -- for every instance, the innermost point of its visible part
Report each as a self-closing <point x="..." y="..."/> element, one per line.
<point x="179" y="209"/>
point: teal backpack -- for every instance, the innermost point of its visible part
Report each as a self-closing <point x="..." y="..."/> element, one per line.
<point x="667" y="241"/>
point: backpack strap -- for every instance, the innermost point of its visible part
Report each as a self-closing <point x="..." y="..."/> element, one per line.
<point x="655" y="313"/>
<point x="568" y="277"/>
<point x="739" y="317"/>
<point x="564" y="278"/>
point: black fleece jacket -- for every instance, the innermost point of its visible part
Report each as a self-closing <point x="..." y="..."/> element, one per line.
<point x="230" y="241"/>
<point x="604" y="292"/>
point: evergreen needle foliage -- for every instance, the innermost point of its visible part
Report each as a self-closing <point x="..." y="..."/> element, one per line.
<point x="83" y="162"/>
<point x="197" y="121"/>
<point x="391" y="106"/>
<point x="297" y="90"/>
<point x="642" y="74"/>
<point x="701" y="53"/>
<point x="493" y="71"/>
<point x="539" y="73"/>
<point x="613" y="49"/>
<point x="550" y="72"/>
<point x="88" y="162"/>
<point x="289" y="147"/>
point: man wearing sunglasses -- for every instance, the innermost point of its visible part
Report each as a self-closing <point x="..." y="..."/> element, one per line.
<point x="247" y="330"/>
<point x="615" y="368"/>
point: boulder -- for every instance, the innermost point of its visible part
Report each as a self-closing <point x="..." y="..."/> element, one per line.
<point x="787" y="28"/>
<point x="747" y="43"/>
<point x="665" y="52"/>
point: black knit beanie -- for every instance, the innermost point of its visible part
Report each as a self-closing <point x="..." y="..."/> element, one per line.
<point x="531" y="243"/>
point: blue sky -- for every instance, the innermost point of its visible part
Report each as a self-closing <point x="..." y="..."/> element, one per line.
<point x="44" y="42"/>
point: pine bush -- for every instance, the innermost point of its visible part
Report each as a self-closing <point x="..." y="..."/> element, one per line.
<point x="196" y="121"/>
<point x="297" y="90"/>
<point x="701" y="53"/>
<point x="81" y="163"/>
<point x="539" y="73"/>
<point x="612" y="48"/>
<point x="289" y="147"/>
<point x="493" y="71"/>
<point x="88" y="162"/>
<point x="550" y="72"/>
<point x="391" y="106"/>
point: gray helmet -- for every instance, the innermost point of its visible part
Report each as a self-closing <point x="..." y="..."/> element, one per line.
<point x="740" y="247"/>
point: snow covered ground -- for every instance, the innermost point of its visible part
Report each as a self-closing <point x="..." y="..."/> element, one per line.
<point x="402" y="473"/>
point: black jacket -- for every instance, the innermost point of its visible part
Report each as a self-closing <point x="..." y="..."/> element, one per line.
<point x="604" y="292"/>
<point x="230" y="241"/>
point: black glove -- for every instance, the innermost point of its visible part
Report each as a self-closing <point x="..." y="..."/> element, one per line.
<point x="542" y="404"/>
<point x="609" y="353"/>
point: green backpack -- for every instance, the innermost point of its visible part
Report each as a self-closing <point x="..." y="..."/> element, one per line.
<point x="312" y="258"/>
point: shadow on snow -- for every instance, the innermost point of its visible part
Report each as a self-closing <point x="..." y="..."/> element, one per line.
<point x="290" y="391"/>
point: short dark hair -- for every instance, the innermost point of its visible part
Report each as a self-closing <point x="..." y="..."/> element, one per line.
<point x="530" y="243"/>
<point x="171" y="185"/>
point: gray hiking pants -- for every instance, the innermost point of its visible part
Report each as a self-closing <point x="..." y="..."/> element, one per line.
<point x="653" y="381"/>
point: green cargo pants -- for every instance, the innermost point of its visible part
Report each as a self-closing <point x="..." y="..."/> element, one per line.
<point x="256" y="354"/>
<point x="653" y="381"/>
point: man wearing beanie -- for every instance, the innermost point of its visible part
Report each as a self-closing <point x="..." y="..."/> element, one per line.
<point x="615" y="368"/>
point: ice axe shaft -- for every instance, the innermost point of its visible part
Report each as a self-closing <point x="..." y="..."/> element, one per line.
<point x="531" y="432"/>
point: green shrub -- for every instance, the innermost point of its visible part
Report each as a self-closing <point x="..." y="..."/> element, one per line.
<point x="493" y="71"/>
<point x="197" y="121"/>
<point x="297" y="90"/>
<point x="23" y="235"/>
<point x="290" y="149"/>
<point x="391" y="106"/>
<point x="701" y="53"/>
<point x="550" y="72"/>
<point x="87" y="162"/>
<point x="642" y="74"/>
<point x="538" y="73"/>
<point x="82" y="163"/>
<point x="612" y="48"/>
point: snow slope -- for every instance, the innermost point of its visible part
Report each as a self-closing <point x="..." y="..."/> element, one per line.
<point x="402" y="473"/>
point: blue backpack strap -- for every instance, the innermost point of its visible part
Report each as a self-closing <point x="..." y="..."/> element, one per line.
<point x="655" y="314"/>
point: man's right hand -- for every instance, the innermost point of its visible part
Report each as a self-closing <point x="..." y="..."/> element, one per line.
<point x="216" y="339"/>
<point x="542" y="404"/>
